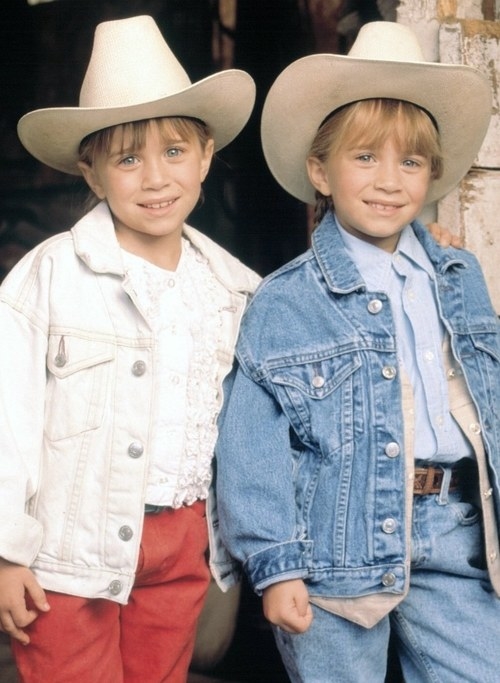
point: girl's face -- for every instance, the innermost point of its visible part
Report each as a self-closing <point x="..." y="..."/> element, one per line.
<point x="375" y="191"/>
<point x="152" y="190"/>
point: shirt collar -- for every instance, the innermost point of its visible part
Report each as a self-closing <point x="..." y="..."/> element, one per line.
<point x="375" y="264"/>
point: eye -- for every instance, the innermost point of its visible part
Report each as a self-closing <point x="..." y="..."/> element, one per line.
<point x="415" y="163"/>
<point x="365" y="157"/>
<point x="173" y="152"/>
<point x="129" y="160"/>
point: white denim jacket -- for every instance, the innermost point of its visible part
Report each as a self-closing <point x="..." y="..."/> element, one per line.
<point x="77" y="383"/>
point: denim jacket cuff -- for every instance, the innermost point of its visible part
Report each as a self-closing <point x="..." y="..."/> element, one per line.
<point x="20" y="538"/>
<point x="281" y="562"/>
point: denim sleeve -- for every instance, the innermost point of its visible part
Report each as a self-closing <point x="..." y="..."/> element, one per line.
<point x="255" y="486"/>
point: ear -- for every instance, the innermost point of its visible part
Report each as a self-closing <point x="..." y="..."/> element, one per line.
<point x="317" y="176"/>
<point x="206" y="159"/>
<point x="91" y="179"/>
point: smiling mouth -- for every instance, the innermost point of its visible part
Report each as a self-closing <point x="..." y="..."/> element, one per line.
<point x="383" y="207"/>
<point x="159" y="205"/>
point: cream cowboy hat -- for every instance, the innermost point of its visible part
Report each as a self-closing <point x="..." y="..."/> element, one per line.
<point x="133" y="75"/>
<point x="385" y="61"/>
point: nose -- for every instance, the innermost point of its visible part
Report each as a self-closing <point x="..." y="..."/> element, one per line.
<point x="388" y="176"/>
<point x="154" y="174"/>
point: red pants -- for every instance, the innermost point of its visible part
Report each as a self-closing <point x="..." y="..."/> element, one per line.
<point x="149" y="640"/>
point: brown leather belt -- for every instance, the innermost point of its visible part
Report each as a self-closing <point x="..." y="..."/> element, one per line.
<point x="430" y="479"/>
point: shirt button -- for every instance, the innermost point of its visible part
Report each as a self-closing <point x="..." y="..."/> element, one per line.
<point x="389" y="525"/>
<point x="136" y="449"/>
<point x="115" y="587"/>
<point x="475" y="428"/>
<point x="388" y="579"/>
<point x="171" y="283"/>
<point x="125" y="533"/>
<point x="318" y="381"/>
<point x="392" y="450"/>
<point x="375" y="306"/>
<point x="138" y="368"/>
<point x="389" y="372"/>
<point x="428" y="355"/>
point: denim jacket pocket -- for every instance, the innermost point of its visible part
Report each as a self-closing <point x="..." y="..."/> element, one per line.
<point x="315" y="392"/>
<point x="78" y="372"/>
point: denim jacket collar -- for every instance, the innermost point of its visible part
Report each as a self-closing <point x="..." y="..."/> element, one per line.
<point x="343" y="277"/>
<point x="96" y="244"/>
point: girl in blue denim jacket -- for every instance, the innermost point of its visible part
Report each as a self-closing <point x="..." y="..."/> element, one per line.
<point x="359" y="455"/>
<point x="116" y="336"/>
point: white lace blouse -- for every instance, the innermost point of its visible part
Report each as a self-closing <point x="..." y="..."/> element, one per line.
<point x="183" y="308"/>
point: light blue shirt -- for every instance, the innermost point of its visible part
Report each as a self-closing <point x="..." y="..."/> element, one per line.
<point x="406" y="276"/>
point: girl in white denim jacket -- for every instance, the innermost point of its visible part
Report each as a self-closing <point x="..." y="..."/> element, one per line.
<point x="116" y="337"/>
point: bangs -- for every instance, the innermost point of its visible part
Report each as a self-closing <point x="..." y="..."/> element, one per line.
<point x="370" y="123"/>
<point x="132" y="136"/>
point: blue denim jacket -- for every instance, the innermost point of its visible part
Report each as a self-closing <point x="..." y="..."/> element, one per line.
<point x="310" y="466"/>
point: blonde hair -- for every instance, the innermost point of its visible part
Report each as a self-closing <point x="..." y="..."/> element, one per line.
<point x="370" y="123"/>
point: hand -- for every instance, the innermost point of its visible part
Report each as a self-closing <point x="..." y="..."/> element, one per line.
<point x="286" y="604"/>
<point x="444" y="237"/>
<point x="16" y="583"/>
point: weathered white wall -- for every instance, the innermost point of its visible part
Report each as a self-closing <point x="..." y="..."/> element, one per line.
<point x="455" y="31"/>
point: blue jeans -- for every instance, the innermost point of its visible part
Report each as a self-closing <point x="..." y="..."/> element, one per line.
<point x="447" y="630"/>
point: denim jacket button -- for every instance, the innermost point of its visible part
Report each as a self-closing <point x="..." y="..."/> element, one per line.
<point x="125" y="533"/>
<point x="388" y="579"/>
<point x="115" y="587"/>
<point x="389" y="372"/>
<point x="318" y="381"/>
<point x="389" y="525"/>
<point x="136" y="449"/>
<point x="138" y="368"/>
<point x="392" y="449"/>
<point x="375" y="306"/>
<point x="60" y="360"/>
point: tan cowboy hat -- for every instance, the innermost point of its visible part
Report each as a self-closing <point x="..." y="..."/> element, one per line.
<point x="133" y="75"/>
<point x="385" y="61"/>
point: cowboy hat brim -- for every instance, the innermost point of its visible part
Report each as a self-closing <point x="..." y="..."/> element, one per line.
<point x="224" y="101"/>
<point x="305" y="93"/>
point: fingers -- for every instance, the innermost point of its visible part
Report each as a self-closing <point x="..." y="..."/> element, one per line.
<point x="18" y="587"/>
<point x="37" y="594"/>
<point x="286" y="604"/>
<point x="444" y="237"/>
<point x="12" y="626"/>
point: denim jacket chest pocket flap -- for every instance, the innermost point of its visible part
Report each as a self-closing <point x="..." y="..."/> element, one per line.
<point x="315" y="376"/>
<point x="77" y="384"/>
<point x="313" y="390"/>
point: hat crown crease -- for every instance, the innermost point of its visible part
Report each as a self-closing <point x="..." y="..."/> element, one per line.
<point x="130" y="64"/>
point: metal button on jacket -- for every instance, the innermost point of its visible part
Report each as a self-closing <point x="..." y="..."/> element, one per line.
<point x="388" y="579"/>
<point x="115" y="587"/>
<point x="136" y="449"/>
<point x="375" y="306"/>
<point x="392" y="449"/>
<point x="389" y="525"/>
<point x="389" y="372"/>
<point x="318" y="381"/>
<point x="60" y="360"/>
<point x="138" y="368"/>
<point x="125" y="533"/>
